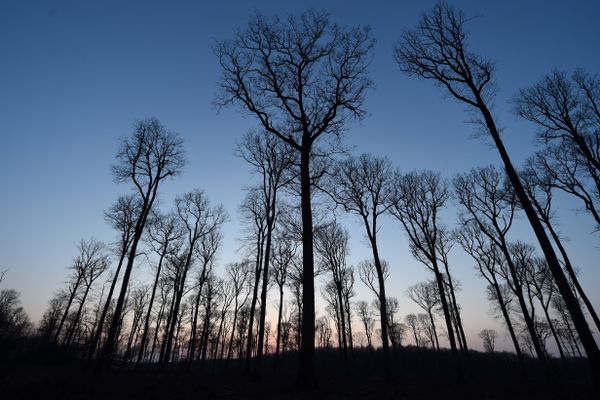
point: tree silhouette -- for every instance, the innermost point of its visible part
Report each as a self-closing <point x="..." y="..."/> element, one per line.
<point x="363" y="186"/>
<point x="416" y="204"/>
<point x="303" y="78"/>
<point x="151" y="155"/>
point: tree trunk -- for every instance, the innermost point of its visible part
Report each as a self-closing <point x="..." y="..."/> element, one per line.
<point x="306" y="371"/>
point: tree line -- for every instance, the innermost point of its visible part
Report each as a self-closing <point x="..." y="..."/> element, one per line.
<point x="304" y="80"/>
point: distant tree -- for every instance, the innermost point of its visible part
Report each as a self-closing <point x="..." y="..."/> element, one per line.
<point x="415" y="328"/>
<point x="437" y="49"/>
<point x="365" y="315"/>
<point x="14" y="322"/>
<point x="239" y="275"/>
<point x="363" y="186"/>
<point x="303" y="78"/>
<point x="426" y="295"/>
<point x="151" y="155"/>
<point x="489" y="339"/>
<point x="92" y="261"/>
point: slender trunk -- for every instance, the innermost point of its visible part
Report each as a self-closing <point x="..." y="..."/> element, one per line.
<point x="509" y="325"/>
<point x="151" y="303"/>
<point x="265" y="283"/>
<point x="257" y="276"/>
<point x="460" y="330"/>
<point x="278" y="338"/>
<point x="113" y="284"/>
<point x="178" y="295"/>
<point x="66" y="312"/>
<point x="440" y="282"/>
<point x="77" y="315"/>
<point x="111" y="339"/>
<point x="435" y="336"/>
<point x="387" y="364"/>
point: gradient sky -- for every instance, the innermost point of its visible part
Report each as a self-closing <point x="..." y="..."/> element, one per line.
<point x="74" y="75"/>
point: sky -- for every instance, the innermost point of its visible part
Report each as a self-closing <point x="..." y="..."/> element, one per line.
<point x="75" y="75"/>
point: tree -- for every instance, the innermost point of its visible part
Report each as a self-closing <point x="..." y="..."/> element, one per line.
<point x="488" y="258"/>
<point x="331" y="245"/>
<point x="92" y="261"/>
<point x="122" y="217"/>
<point x="151" y="155"/>
<point x="284" y="254"/>
<point x="426" y="295"/>
<point x="164" y="232"/>
<point x="416" y="204"/>
<point x="201" y="223"/>
<point x="366" y="318"/>
<point x="539" y="178"/>
<point x="272" y="160"/>
<point x="489" y="339"/>
<point x="489" y="202"/>
<point x="437" y="49"/>
<point x="364" y="186"/>
<point x="303" y="78"/>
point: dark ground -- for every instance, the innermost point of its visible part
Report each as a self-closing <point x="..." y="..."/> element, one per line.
<point x="418" y="375"/>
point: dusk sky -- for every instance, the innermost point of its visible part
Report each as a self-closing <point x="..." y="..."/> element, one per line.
<point x="75" y="75"/>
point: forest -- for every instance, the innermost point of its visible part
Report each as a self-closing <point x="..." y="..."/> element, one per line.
<point x="153" y="313"/>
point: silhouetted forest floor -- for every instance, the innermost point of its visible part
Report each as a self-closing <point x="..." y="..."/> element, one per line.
<point x="418" y="375"/>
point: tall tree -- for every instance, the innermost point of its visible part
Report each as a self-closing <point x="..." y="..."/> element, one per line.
<point x="272" y="160"/>
<point x="303" y="78"/>
<point x="419" y="198"/>
<point x="145" y="159"/>
<point x="364" y="186"/>
<point x="437" y="49"/>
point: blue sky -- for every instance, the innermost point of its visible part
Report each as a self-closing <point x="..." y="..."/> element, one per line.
<point x="74" y="75"/>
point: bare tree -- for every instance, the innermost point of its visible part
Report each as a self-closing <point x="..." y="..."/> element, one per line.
<point x="92" y="261"/>
<point x="419" y="198"/>
<point x="201" y="223"/>
<point x="363" y="186"/>
<point x="331" y="245"/>
<point x="365" y="315"/>
<point x="437" y="49"/>
<point x="151" y="155"/>
<point x="489" y="339"/>
<point x="284" y="254"/>
<point x="426" y="295"/>
<point x="122" y="217"/>
<point x="489" y="202"/>
<point x="163" y="231"/>
<point x="488" y="258"/>
<point x="272" y="161"/>
<point x="303" y="78"/>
